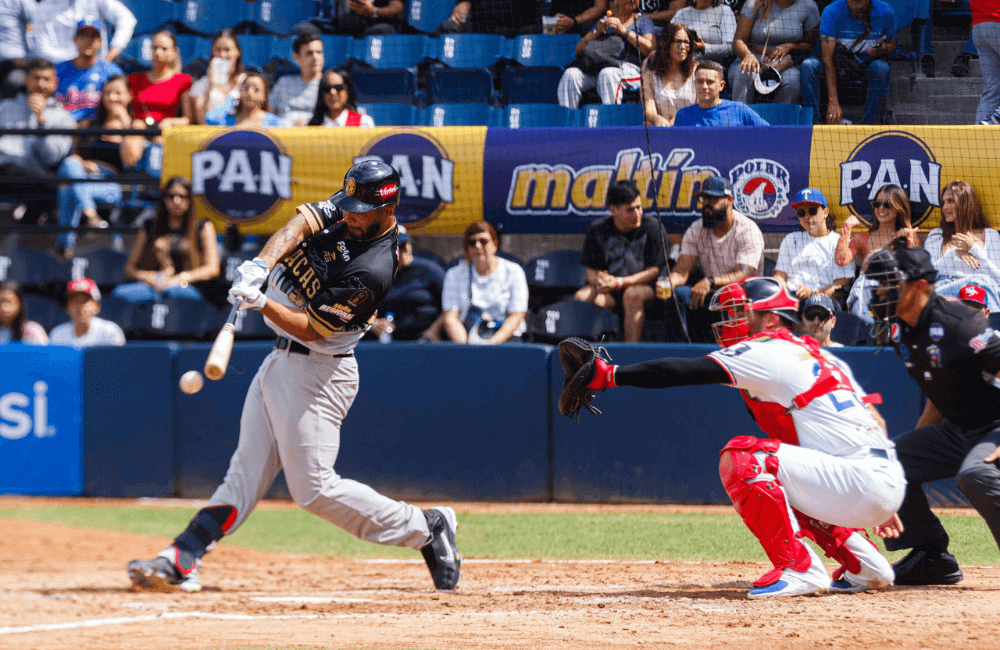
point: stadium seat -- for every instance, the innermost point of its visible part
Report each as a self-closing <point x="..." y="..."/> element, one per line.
<point x="390" y="114"/>
<point x="850" y="329"/>
<point x="544" y="49"/>
<point x="423" y="253"/>
<point x="594" y="115"/>
<point x="336" y="50"/>
<point x="464" y="86"/>
<point x="257" y="49"/>
<point x="585" y="320"/>
<point x="457" y="115"/>
<point x="118" y="311"/>
<point x="207" y="17"/>
<point x="392" y="51"/>
<point x="151" y="15"/>
<point x="384" y="86"/>
<point x="44" y="310"/>
<point x="995" y="320"/>
<point x="517" y="116"/>
<point x="532" y="85"/>
<point x="279" y="16"/>
<point x="559" y="269"/>
<point x="104" y="266"/>
<point x="30" y="267"/>
<point x="193" y="48"/>
<point x="467" y="50"/>
<point x="172" y="318"/>
<point x="138" y="54"/>
<point x="426" y="15"/>
<point x="783" y="114"/>
<point x="249" y="325"/>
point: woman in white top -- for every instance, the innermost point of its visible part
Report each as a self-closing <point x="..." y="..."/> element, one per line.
<point x="714" y="23"/>
<point x="336" y="105"/>
<point x="668" y="80"/>
<point x="964" y="250"/>
<point x="210" y="92"/>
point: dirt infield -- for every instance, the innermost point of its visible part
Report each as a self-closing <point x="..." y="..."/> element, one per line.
<point x="65" y="588"/>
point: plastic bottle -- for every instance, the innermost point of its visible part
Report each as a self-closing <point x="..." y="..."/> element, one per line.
<point x="386" y="335"/>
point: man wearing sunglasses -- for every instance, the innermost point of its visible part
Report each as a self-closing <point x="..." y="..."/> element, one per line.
<point x="819" y="319"/>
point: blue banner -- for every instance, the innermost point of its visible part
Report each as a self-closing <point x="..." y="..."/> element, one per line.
<point x="551" y="180"/>
<point x="41" y="420"/>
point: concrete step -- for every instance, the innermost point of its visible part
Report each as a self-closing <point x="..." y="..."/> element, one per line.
<point x="918" y="88"/>
<point x="944" y="54"/>
<point x="943" y="103"/>
<point x="917" y="114"/>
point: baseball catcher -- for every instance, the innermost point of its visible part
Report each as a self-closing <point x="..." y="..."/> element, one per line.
<point x="827" y="470"/>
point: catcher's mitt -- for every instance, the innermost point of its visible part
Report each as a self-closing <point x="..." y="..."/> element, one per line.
<point x="578" y="363"/>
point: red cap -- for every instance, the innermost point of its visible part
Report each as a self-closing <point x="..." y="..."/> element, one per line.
<point x="84" y="285"/>
<point x="973" y="293"/>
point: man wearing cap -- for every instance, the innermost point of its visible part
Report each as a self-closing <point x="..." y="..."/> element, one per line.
<point x="954" y="356"/>
<point x="415" y="297"/>
<point x="318" y="282"/>
<point x="711" y="109"/>
<point x="729" y="246"/>
<point x="819" y="319"/>
<point x="81" y="79"/>
<point x="57" y="21"/>
<point x="806" y="257"/>
<point x="975" y="296"/>
<point x="85" y="329"/>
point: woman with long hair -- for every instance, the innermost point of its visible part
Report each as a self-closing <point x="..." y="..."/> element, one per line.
<point x="249" y="109"/>
<point x="158" y="94"/>
<point x="220" y="87"/>
<point x="668" y="80"/>
<point x="172" y="252"/>
<point x="336" y="104"/>
<point x="891" y="208"/>
<point x="14" y="324"/>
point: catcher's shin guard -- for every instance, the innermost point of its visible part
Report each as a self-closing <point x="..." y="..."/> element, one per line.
<point x="758" y="498"/>
<point x="832" y="539"/>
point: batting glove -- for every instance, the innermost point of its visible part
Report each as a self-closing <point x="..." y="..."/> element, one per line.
<point x="253" y="297"/>
<point x="252" y="273"/>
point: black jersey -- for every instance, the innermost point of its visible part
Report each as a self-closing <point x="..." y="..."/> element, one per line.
<point x="954" y="356"/>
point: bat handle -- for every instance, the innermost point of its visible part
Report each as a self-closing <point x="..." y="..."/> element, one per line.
<point x="231" y="319"/>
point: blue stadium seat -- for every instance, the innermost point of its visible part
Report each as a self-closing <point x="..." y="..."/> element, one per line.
<point x="468" y="50"/>
<point x="426" y="15"/>
<point x="594" y="115"/>
<point x="138" y="54"/>
<point x="850" y="330"/>
<point x="517" y="116"/>
<point x="544" y="49"/>
<point x="532" y="85"/>
<point x="44" y="310"/>
<point x="559" y="270"/>
<point x="104" y="266"/>
<point x="30" y="267"/>
<point x="554" y="322"/>
<point x="151" y="15"/>
<point x="389" y="114"/>
<point x="118" y="311"/>
<point x="391" y="51"/>
<point x="256" y="49"/>
<point x="457" y="115"/>
<point x="384" y="86"/>
<point x="209" y="16"/>
<point x="194" y="48"/>
<point x="173" y="318"/>
<point x="249" y="325"/>
<point x="279" y="16"/>
<point x="464" y="86"/>
<point x="336" y="50"/>
<point x="783" y="114"/>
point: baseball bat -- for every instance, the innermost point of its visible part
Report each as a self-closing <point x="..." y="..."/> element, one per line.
<point x="218" y="356"/>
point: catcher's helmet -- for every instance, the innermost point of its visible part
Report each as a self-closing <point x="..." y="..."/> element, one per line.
<point x="368" y="185"/>
<point x="739" y="300"/>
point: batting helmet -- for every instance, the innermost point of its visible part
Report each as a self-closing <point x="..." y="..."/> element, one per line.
<point x="368" y="185"/>
<point x="739" y="300"/>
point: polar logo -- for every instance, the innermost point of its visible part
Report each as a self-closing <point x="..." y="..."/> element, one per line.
<point x="18" y="417"/>
<point x="891" y="157"/>
<point x="243" y="176"/>
<point x="426" y="174"/>
<point x="761" y="188"/>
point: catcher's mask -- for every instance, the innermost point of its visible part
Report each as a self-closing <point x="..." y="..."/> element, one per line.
<point x="739" y="301"/>
<point x="886" y="271"/>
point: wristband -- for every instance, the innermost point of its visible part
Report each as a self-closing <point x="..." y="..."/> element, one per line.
<point x="618" y="283"/>
<point x="262" y="264"/>
<point x="711" y="282"/>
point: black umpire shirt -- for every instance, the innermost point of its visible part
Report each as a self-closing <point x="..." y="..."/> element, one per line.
<point x="954" y="356"/>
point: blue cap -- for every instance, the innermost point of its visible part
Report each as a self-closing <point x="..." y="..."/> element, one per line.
<point x="809" y="195"/>
<point x="819" y="300"/>
<point x="716" y="186"/>
<point x="89" y="22"/>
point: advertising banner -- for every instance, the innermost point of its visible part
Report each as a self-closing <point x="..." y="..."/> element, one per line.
<point x="41" y="420"/>
<point x="256" y="177"/>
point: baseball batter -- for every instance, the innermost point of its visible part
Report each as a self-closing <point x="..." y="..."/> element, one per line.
<point x="827" y="470"/>
<point x="327" y="270"/>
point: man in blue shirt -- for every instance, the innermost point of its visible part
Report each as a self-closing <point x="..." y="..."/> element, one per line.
<point x="82" y="79"/>
<point x="864" y="29"/>
<point x="712" y="110"/>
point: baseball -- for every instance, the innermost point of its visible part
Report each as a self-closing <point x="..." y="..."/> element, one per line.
<point x="192" y="381"/>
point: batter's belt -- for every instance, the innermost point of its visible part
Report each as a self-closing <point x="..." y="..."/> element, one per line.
<point x="282" y="343"/>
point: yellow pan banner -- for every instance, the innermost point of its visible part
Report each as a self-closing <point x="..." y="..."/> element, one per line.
<point x="850" y="163"/>
<point x="256" y="177"/>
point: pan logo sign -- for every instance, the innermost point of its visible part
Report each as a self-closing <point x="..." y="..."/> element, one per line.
<point x="894" y="157"/>
<point x="242" y="176"/>
<point x="426" y="174"/>
<point x="760" y="187"/>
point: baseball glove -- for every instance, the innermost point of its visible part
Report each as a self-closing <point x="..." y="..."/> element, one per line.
<point x="578" y="360"/>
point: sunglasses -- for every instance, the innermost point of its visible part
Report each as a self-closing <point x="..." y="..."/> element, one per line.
<point x="479" y="241"/>
<point x="325" y="88"/>
<point x="881" y="204"/>
<point x="802" y="212"/>
<point x="817" y="314"/>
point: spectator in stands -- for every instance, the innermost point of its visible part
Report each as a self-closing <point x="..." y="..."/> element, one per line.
<point x="93" y="158"/>
<point x="574" y="16"/>
<point x="56" y="22"/>
<point x="415" y="297"/>
<point x="220" y="88"/>
<point x="504" y="17"/>
<point x="712" y="24"/>
<point x="819" y="317"/>
<point x="28" y="162"/>
<point x="975" y="297"/>
<point x="159" y="94"/>
<point x="293" y="97"/>
<point x="172" y="252"/>
<point x="661" y="12"/>
<point x="805" y="257"/>
<point x="788" y="30"/>
<point x="728" y="244"/>
<point x="336" y="105"/>
<point x="892" y="220"/>
<point x="964" y="249"/>
<point x="986" y="36"/>
<point x="856" y="37"/>
<point x="623" y="254"/>
<point x="358" y="18"/>
<point x="668" y="78"/>
<point x="608" y="56"/>
<point x="485" y="298"/>
<point x="81" y="79"/>
<point x="711" y="109"/>
<point x="14" y="324"/>
<point x="85" y="329"/>
<point x="249" y="109"/>
<point x="17" y="19"/>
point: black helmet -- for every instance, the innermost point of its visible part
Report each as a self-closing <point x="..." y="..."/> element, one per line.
<point x="368" y="185"/>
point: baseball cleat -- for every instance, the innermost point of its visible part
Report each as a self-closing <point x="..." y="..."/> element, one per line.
<point x="441" y="554"/>
<point x="927" y="566"/>
<point x="812" y="581"/>
<point x="162" y="573"/>
<point x="844" y="586"/>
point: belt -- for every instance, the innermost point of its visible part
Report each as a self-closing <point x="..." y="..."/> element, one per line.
<point x="282" y="343"/>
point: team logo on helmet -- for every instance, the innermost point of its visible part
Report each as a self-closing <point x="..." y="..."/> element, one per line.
<point x="349" y="185"/>
<point x="760" y="186"/>
<point x="241" y="175"/>
<point x="893" y="157"/>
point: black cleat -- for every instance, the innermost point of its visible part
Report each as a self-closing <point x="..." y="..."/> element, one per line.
<point x="927" y="566"/>
<point x="441" y="555"/>
<point x="163" y="573"/>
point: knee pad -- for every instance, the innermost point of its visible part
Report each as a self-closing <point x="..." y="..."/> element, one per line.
<point x="832" y="539"/>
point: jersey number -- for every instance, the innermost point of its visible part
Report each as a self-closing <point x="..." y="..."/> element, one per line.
<point x="734" y="351"/>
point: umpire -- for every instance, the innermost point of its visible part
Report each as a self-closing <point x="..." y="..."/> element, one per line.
<point x="954" y="356"/>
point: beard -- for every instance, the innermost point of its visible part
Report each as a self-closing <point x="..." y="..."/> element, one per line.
<point x="711" y="218"/>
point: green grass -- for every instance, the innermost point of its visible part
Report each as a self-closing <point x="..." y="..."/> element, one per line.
<point x="555" y="536"/>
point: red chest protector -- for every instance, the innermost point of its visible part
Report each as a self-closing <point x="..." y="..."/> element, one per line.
<point x="776" y="420"/>
<point x="353" y="119"/>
